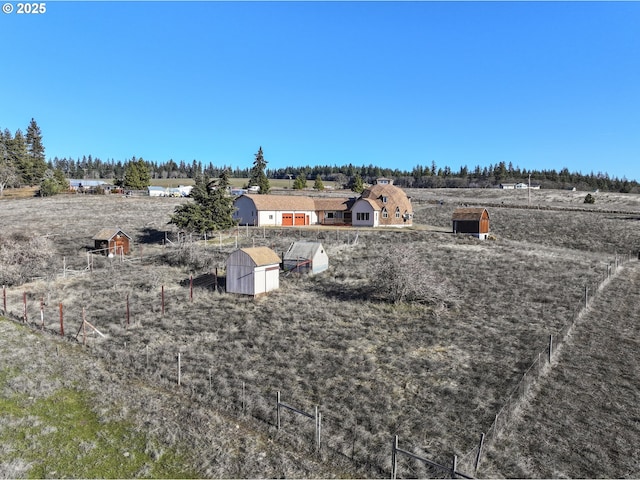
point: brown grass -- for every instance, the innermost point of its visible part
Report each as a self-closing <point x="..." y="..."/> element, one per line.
<point x="433" y="375"/>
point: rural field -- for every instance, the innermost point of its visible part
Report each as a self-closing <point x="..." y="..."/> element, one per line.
<point x="196" y="371"/>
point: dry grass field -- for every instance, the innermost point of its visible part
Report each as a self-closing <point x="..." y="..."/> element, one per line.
<point x="435" y="374"/>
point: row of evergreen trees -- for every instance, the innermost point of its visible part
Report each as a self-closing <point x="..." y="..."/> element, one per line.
<point x="22" y="162"/>
<point x="421" y="176"/>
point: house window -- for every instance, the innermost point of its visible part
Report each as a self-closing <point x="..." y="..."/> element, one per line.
<point x="385" y="214"/>
<point x="330" y="215"/>
<point x="362" y="216"/>
<point x="384" y="199"/>
<point x="397" y="212"/>
<point x="270" y="217"/>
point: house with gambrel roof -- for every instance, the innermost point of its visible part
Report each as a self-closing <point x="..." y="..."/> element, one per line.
<point x="381" y="205"/>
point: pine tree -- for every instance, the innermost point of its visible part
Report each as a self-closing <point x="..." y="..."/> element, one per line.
<point x="318" y="185"/>
<point x="136" y="175"/>
<point x="8" y="172"/>
<point x="36" y="165"/>
<point x="257" y="175"/>
<point x="357" y="184"/>
<point x="300" y="183"/>
<point x="212" y="208"/>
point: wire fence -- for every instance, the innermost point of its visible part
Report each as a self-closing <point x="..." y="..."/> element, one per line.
<point x="340" y="438"/>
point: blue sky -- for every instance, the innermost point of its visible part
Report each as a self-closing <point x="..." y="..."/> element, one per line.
<point x="544" y="85"/>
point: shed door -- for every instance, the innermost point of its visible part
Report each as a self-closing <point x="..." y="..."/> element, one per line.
<point x="300" y="219"/>
<point x="287" y="219"/>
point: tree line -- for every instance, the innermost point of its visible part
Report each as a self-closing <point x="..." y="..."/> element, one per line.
<point x="22" y="162"/>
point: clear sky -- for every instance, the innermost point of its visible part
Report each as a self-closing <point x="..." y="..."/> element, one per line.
<point x="544" y="85"/>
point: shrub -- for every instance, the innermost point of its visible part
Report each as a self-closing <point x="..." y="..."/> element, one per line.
<point x="589" y="198"/>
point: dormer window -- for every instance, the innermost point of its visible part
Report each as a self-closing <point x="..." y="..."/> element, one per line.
<point x="384" y="199"/>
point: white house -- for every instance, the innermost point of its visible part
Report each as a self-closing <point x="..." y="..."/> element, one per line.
<point x="275" y="210"/>
<point x="253" y="271"/>
<point x="305" y="257"/>
<point x="383" y="205"/>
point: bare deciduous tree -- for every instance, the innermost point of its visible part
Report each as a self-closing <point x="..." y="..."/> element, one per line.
<point x="402" y="276"/>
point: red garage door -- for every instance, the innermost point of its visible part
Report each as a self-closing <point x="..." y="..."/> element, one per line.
<point x="287" y="219"/>
<point x="300" y="219"/>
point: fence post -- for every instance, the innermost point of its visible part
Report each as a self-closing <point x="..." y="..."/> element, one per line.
<point x="394" y="458"/>
<point x="42" y="312"/>
<point x="24" y="301"/>
<point x="191" y="287"/>
<point x="586" y="296"/>
<point x="550" y="348"/>
<point x="278" y="410"/>
<point x="243" y="398"/>
<point x="179" y="370"/>
<point x="61" y="322"/>
<point x="162" y="298"/>
<point x="128" y="312"/>
<point x="4" y="299"/>
<point x="454" y="466"/>
<point x="479" y="451"/>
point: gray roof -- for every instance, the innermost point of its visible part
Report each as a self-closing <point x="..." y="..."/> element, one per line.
<point x="305" y="250"/>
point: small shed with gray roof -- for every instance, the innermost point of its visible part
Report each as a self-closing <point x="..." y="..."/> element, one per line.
<point x="112" y="241"/>
<point x="305" y="257"/>
<point x="253" y="271"/>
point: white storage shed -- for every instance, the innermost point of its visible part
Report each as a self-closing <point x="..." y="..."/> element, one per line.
<point x="306" y="257"/>
<point x="253" y="271"/>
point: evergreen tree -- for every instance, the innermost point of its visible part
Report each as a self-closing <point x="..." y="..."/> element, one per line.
<point x="18" y="156"/>
<point x="318" y="185"/>
<point x="8" y="172"/>
<point x="300" y="183"/>
<point x="136" y="175"/>
<point x="36" y="165"/>
<point x="258" y="176"/>
<point x="212" y="208"/>
<point x="54" y="183"/>
<point x="357" y="185"/>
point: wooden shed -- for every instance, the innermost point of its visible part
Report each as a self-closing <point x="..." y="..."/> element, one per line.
<point x="305" y="257"/>
<point x="471" y="220"/>
<point x="253" y="271"/>
<point x="112" y="241"/>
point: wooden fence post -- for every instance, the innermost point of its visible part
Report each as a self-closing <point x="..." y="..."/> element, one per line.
<point x="179" y="370"/>
<point x="454" y="466"/>
<point x="394" y="458"/>
<point x="4" y="299"/>
<point x="61" y="322"/>
<point x="191" y="287"/>
<point x="128" y="311"/>
<point x="42" y="313"/>
<point x="278" y="410"/>
<point x="162" y="299"/>
<point x="24" y="301"/>
<point x="550" y="348"/>
<point x="478" y="455"/>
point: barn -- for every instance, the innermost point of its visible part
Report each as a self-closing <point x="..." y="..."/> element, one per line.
<point x="471" y="220"/>
<point x="253" y="271"/>
<point x="112" y="241"/>
<point x="306" y="257"/>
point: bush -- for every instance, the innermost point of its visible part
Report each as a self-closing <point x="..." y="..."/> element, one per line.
<point x="589" y="198"/>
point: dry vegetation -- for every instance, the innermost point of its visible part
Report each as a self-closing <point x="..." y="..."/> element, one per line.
<point x="434" y="372"/>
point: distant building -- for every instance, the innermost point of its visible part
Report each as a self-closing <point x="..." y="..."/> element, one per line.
<point x="381" y="205"/>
